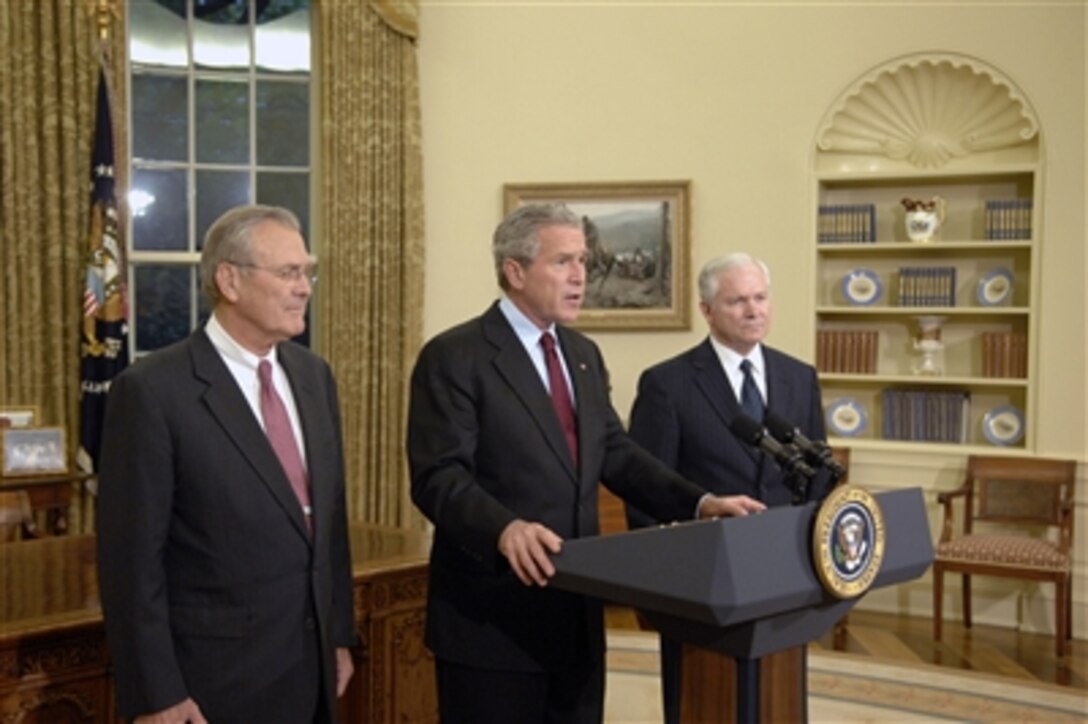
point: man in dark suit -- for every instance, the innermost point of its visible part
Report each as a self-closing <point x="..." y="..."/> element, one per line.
<point x="685" y="405"/>
<point x="507" y="442"/>
<point x="223" y="555"/>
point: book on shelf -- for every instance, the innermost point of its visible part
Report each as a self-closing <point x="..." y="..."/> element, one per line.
<point x="926" y="286"/>
<point x="844" y="351"/>
<point x="1008" y="219"/>
<point x="925" y="415"/>
<point x="846" y="223"/>
<point x="1004" y="354"/>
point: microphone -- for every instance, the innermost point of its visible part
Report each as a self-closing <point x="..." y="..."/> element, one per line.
<point x="751" y="432"/>
<point x="816" y="451"/>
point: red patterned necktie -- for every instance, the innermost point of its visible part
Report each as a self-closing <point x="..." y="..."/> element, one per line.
<point x="560" y="393"/>
<point x="278" y="428"/>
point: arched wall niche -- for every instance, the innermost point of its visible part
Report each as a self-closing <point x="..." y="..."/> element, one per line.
<point x="934" y="111"/>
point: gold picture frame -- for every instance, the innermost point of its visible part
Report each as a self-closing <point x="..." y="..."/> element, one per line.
<point x="638" y="274"/>
<point x="18" y="416"/>
<point x="32" y="451"/>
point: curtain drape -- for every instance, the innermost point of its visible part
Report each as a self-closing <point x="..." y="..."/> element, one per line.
<point x="49" y="61"/>
<point x="370" y="224"/>
<point x="371" y="240"/>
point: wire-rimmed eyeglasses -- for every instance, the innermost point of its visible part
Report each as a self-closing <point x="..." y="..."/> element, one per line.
<point x="289" y="273"/>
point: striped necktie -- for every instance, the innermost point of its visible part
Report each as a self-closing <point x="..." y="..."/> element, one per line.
<point x="277" y="426"/>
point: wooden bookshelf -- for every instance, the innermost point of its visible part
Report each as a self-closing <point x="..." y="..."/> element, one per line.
<point x="978" y="276"/>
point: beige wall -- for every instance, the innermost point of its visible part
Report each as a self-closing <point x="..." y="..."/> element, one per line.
<point x="729" y="96"/>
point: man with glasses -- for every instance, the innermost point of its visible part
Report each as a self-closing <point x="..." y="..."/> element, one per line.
<point x="224" y="562"/>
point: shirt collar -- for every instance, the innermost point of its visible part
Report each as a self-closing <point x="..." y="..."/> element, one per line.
<point x="229" y="348"/>
<point x="527" y="332"/>
<point x="731" y="359"/>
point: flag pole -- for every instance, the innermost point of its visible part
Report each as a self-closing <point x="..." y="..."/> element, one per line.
<point x="104" y="329"/>
<point x="103" y="10"/>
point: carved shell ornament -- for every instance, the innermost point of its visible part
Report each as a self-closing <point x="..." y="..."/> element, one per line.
<point x="928" y="110"/>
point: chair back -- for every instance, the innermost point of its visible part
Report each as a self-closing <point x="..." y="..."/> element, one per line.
<point x="842" y="457"/>
<point x="1019" y="491"/>
<point x="15" y="516"/>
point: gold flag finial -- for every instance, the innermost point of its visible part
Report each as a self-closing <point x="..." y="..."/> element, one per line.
<point x="103" y="9"/>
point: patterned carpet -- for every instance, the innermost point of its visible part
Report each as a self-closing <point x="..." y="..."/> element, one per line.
<point x="845" y="688"/>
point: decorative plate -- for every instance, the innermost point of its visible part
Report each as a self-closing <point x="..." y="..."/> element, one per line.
<point x="847" y="417"/>
<point x="1003" y="425"/>
<point x="995" y="287"/>
<point x="862" y="287"/>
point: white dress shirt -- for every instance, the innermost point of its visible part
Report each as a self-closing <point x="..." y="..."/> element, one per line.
<point x="243" y="366"/>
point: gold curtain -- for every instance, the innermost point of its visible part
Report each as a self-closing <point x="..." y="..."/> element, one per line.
<point x="371" y="240"/>
<point x="49" y="61"/>
<point x="371" y="227"/>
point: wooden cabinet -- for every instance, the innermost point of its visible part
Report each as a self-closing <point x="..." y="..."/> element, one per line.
<point x="394" y="671"/>
<point x="928" y="340"/>
<point x="59" y="676"/>
<point x="54" y="662"/>
<point x="51" y="495"/>
<point x="54" y="666"/>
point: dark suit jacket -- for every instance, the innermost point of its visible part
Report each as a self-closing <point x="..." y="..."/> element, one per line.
<point x="210" y="584"/>
<point x="682" y="414"/>
<point x="485" y="447"/>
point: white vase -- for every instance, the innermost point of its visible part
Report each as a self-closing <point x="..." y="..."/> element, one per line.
<point x="924" y="218"/>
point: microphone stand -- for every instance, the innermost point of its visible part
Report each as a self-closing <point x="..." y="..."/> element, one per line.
<point x="799" y="486"/>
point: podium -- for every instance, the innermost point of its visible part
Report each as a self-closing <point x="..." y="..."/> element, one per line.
<point x="744" y="587"/>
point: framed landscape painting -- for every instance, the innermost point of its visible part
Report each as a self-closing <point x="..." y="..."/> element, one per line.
<point x="638" y="271"/>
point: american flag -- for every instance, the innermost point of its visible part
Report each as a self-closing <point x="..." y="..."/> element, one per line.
<point x="104" y="332"/>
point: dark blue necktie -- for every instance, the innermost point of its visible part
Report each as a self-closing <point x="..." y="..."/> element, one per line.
<point x="750" y="399"/>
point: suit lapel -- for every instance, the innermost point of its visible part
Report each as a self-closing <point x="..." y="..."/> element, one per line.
<point x="711" y="380"/>
<point x="780" y="387"/>
<point x="515" y="367"/>
<point x="234" y="415"/>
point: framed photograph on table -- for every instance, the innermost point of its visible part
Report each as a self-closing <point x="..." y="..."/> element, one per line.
<point x="638" y="271"/>
<point x="18" y="416"/>
<point x="33" y="451"/>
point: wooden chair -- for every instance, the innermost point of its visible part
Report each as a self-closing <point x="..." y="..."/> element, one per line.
<point x="16" y="517"/>
<point x="842" y="457"/>
<point x="1019" y="500"/>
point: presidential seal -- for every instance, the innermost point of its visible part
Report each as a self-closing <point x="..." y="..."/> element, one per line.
<point x="848" y="541"/>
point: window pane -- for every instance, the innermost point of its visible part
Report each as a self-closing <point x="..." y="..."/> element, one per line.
<point x="159" y="118"/>
<point x="222" y="121"/>
<point x="157" y="34"/>
<point x="217" y="191"/>
<point x="290" y="190"/>
<point x="221" y="34"/>
<point x="283" y="37"/>
<point x="283" y="123"/>
<point x="163" y="223"/>
<point x="164" y="305"/>
<point x="247" y="63"/>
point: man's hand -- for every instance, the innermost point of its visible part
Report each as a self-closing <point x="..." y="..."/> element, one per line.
<point x="187" y="712"/>
<point x="527" y="545"/>
<point x="344" y="670"/>
<point x="719" y="506"/>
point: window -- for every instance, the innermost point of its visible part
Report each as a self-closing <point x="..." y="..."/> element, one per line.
<point x="219" y="116"/>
